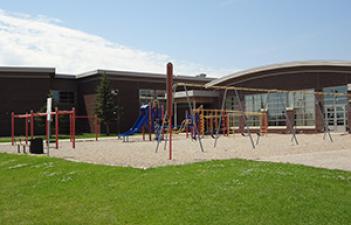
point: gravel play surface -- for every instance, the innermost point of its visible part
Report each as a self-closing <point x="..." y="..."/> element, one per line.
<point x="312" y="150"/>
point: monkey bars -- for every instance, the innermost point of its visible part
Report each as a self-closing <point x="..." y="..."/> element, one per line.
<point x="29" y="117"/>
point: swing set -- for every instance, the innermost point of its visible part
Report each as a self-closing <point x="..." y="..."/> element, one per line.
<point x="221" y="116"/>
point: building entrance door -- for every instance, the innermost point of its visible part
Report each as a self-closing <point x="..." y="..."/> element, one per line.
<point x="335" y="115"/>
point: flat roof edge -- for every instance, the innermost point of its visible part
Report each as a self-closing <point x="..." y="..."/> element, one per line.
<point x="26" y="69"/>
<point x="139" y="74"/>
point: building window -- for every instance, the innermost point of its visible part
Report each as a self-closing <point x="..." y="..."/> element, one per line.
<point x="160" y="95"/>
<point x="335" y="107"/>
<point x="303" y="103"/>
<point x="232" y="104"/>
<point x="254" y="103"/>
<point x="63" y="97"/>
<point x="334" y="99"/>
<point x="276" y="109"/>
<point x="148" y="95"/>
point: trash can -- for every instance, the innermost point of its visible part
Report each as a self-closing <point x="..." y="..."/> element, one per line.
<point x="36" y="146"/>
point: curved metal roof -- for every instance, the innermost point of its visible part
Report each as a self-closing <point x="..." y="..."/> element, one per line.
<point x="278" y="66"/>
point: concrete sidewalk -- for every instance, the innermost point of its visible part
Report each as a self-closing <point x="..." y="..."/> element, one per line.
<point x="338" y="159"/>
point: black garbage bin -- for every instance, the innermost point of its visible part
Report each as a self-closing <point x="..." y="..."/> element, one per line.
<point x="36" y="146"/>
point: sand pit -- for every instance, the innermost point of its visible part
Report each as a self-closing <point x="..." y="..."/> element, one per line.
<point x="312" y="150"/>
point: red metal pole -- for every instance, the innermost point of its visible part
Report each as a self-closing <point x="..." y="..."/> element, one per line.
<point x="74" y="128"/>
<point x="170" y="104"/>
<point x="70" y="128"/>
<point x="13" y="128"/>
<point x="31" y="124"/>
<point x="57" y="127"/>
<point x="26" y="128"/>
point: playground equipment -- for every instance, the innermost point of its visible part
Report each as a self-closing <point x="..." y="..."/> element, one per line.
<point x="167" y="119"/>
<point x="149" y="119"/>
<point x="186" y="125"/>
<point x="198" y="127"/>
<point x="210" y="119"/>
<point x="30" y="124"/>
<point x="191" y="118"/>
<point x="29" y="117"/>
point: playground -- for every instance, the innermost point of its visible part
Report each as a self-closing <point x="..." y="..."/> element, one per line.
<point x="312" y="151"/>
<point x="204" y="135"/>
<point x="225" y="155"/>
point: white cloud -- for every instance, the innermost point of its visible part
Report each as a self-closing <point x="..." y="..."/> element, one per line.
<point x="42" y="41"/>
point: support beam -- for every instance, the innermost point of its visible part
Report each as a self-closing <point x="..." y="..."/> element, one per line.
<point x="290" y="124"/>
<point x="170" y="105"/>
<point x="243" y="115"/>
<point x="220" y="117"/>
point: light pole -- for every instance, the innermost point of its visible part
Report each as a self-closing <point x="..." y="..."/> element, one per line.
<point x="115" y="93"/>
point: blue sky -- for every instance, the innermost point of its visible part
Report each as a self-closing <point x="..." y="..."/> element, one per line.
<point x="222" y="35"/>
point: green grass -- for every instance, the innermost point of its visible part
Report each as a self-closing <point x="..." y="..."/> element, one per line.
<point x="41" y="190"/>
<point x="61" y="136"/>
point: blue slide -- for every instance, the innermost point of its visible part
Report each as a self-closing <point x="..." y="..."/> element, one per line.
<point x="142" y="119"/>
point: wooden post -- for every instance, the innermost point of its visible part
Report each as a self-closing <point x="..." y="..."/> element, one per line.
<point x="170" y="105"/>
<point x="202" y="122"/>
<point x="264" y="121"/>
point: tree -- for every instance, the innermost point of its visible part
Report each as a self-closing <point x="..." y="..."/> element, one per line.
<point x="105" y="105"/>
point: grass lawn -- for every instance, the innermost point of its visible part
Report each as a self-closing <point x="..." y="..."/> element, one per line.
<point x="41" y="190"/>
<point x="61" y="136"/>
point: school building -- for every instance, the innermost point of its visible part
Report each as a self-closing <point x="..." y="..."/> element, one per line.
<point x="23" y="89"/>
